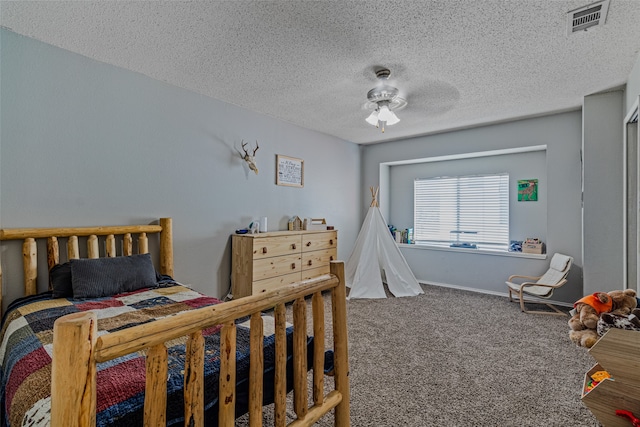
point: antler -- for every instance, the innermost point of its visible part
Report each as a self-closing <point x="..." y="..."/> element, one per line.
<point x="249" y="158"/>
<point x="245" y="150"/>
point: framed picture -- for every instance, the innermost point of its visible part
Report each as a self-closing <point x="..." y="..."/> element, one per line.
<point x="527" y="190"/>
<point x="289" y="171"/>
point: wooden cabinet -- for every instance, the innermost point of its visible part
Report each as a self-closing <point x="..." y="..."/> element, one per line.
<point x="618" y="353"/>
<point x="265" y="261"/>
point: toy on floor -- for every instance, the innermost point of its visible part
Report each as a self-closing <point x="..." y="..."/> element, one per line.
<point x="590" y="385"/>
<point x="584" y="322"/>
<point x="596" y="377"/>
<point x="589" y="310"/>
<point x="628" y="415"/>
<point x="624" y="302"/>
<point x="600" y="375"/>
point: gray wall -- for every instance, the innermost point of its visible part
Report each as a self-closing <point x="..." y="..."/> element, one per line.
<point x="562" y="134"/>
<point x="602" y="220"/>
<point x="85" y="143"/>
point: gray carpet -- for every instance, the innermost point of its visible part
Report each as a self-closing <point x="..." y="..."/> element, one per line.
<point x="458" y="358"/>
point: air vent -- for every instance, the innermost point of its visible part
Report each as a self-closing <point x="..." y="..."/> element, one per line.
<point x="588" y="16"/>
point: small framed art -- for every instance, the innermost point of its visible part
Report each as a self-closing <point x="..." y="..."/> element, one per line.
<point x="527" y="190"/>
<point x="289" y="171"/>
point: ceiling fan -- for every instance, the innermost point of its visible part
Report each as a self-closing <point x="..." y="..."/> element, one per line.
<point x="384" y="99"/>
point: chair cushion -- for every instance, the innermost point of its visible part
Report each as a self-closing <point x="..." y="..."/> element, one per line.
<point x="539" y="291"/>
<point x="552" y="277"/>
<point x="560" y="262"/>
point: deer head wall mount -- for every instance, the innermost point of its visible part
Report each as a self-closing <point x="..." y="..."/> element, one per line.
<point x="250" y="158"/>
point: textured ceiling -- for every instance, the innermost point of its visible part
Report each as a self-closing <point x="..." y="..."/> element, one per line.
<point x="458" y="63"/>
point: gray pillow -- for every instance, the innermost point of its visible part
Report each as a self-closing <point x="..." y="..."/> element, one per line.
<point x="60" y="278"/>
<point x="101" y="277"/>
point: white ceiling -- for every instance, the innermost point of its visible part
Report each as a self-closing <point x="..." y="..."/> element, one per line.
<point x="458" y="63"/>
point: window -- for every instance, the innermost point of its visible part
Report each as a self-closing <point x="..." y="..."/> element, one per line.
<point x="463" y="211"/>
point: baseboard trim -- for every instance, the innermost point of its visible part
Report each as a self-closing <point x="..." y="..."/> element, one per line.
<point x="496" y="293"/>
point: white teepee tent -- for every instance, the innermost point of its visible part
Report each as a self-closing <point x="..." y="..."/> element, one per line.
<point x="376" y="253"/>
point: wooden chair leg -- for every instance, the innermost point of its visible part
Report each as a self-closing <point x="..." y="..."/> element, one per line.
<point x="556" y="311"/>
<point x="522" y="303"/>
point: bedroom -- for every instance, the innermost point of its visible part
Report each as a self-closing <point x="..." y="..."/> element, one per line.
<point x="86" y="143"/>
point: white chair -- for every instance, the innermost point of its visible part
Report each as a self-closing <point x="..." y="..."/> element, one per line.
<point x="542" y="286"/>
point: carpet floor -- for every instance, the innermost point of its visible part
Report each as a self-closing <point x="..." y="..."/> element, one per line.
<point x="457" y="358"/>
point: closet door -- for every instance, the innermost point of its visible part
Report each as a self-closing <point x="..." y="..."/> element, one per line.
<point x="632" y="189"/>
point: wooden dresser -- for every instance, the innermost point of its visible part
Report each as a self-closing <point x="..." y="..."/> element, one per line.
<point x="265" y="261"/>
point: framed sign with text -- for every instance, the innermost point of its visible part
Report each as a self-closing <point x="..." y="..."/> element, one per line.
<point x="289" y="171"/>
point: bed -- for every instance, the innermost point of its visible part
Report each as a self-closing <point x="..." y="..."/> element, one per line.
<point x="161" y="354"/>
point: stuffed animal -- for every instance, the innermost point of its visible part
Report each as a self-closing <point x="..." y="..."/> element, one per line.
<point x="624" y="302"/>
<point x="588" y="310"/>
<point x="584" y="338"/>
<point x="584" y="323"/>
<point x="610" y="320"/>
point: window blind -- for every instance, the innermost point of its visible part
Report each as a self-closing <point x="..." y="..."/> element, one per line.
<point x="471" y="210"/>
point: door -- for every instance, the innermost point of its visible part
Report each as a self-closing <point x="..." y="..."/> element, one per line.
<point x="632" y="199"/>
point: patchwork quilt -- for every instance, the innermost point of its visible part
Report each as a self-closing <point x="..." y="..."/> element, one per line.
<point x="26" y="349"/>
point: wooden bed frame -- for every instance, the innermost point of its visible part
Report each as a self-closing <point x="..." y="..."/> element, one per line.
<point x="77" y="348"/>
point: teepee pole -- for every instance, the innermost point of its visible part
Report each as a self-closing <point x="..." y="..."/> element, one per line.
<point x="374" y="196"/>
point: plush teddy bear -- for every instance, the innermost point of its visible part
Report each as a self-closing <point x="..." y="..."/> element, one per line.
<point x="589" y="309"/>
<point x="624" y="302"/>
<point x="584" y="322"/>
<point x="584" y="338"/>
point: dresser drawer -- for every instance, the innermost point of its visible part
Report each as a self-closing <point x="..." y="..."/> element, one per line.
<point x="317" y="259"/>
<point x="315" y="272"/>
<point x="276" y="266"/>
<point x="275" y="246"/>
<point x="317" y="241"/>
<point x="274" y="282"/>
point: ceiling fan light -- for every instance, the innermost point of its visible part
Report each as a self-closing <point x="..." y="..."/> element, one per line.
<point x="393" y="119"/>
<point x="373" y="118"/>
<point x="384" y="98"/>
<point x="384" y="114"/>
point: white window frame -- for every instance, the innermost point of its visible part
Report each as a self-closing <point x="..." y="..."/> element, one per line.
<point x="468" y="211"/>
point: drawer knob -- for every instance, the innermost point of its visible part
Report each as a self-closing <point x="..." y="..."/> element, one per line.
<point x="293" y="246"/>
<point x="308" y="243"/>
<point x="264" y="250"/>
<point x="293" y="265"/>
<point x="310" y="262"/>
<point x="331" y="258"/>
<point x="331" y="241"/>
